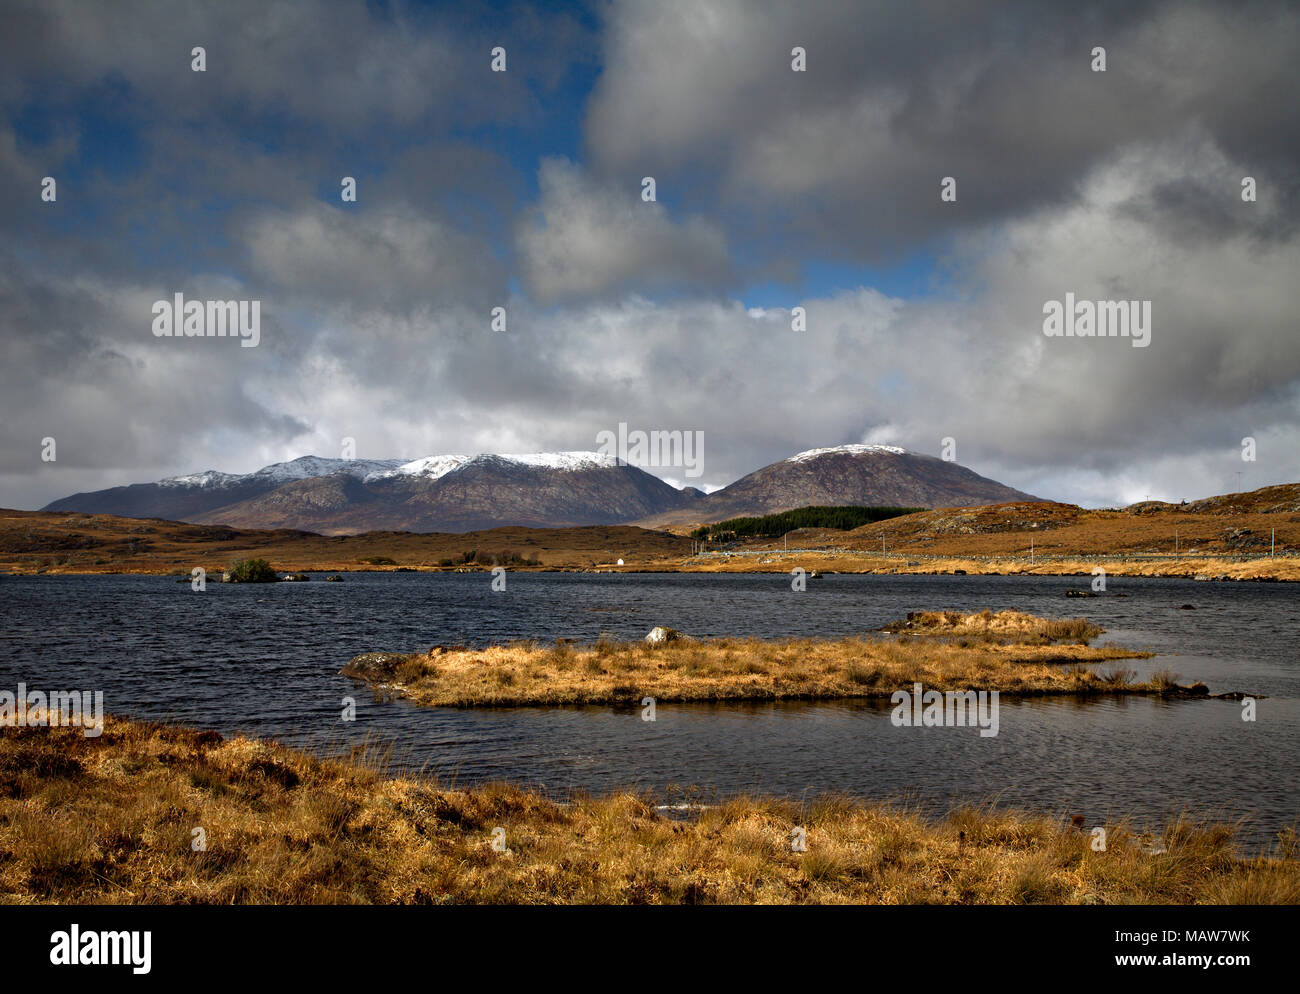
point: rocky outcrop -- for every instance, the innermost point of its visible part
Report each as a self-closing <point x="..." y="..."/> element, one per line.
<point x="661" y="635"/>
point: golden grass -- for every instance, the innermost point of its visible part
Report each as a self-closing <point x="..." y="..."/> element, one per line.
<point x="1001" y="628"/>
<point x="58" y="542"/>
<point x="1186" y="567"/>
<point x="1009" y="652"/>
<point x="112" y="819"/>
<point x="978" y="540"/>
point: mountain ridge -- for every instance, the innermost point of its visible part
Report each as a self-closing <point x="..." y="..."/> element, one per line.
<point x="547" y="489"/>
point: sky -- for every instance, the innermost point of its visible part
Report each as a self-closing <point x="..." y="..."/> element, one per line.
<point x="774" y="189"/>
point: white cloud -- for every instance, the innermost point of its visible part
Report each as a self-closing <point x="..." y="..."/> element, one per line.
<point x="383" y="256"/>
<point x="588" y="239"/>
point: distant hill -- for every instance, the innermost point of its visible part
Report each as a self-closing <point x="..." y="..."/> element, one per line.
<point x="1283" y="498"/>
<point x="456" y="493"/>
<point x="438" y="493"/>
<point x="848" y="474"/>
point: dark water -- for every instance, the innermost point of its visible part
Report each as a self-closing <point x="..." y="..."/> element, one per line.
<point x="265" y="660"/>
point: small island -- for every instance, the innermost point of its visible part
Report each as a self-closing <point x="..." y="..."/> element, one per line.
<point x="1014" y="653"/>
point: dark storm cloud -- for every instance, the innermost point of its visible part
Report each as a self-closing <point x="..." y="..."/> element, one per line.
<point x="848" y="156"/>
<point x="346" y="67"/>
<point x="376" y="314"/>
<point x="110" y="395"/>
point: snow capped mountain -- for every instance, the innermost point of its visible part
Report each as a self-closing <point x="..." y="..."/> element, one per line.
<point x="302" y="468"/>
<point x="563" y="460"/>
<point x="450" y="492"/>
<point x="307" y="467"/>
<point x="436" y="467"/>
<point x="209" y="478"/>
<point x="845" y="474"/>
<point x="430" y="468"/>
<point x="846" y="449"/>
<point x="457" y="493"/>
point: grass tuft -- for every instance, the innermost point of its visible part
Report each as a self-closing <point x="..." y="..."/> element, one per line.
<point x="110" y="820"/>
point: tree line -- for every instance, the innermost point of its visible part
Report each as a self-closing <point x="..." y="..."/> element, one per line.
<point x="817" y="516"/>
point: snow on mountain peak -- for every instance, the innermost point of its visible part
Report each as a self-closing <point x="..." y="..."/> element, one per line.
<point x="208" y="478"/>
<point x="307" y="467"/>
<point x="430" y="467"/>
<point x="846" y="449"/>
<point x="563" y="460"/>
<point x="434" y="467"/>
<point x="302" y="468"/>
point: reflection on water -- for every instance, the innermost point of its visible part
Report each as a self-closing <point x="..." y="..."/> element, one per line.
<point x="265" y="660"/>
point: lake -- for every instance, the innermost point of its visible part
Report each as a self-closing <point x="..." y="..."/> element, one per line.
<point x="264" y="659"/>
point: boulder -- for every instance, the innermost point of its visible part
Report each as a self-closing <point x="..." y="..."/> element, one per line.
<point x="661" y="634"/>
<point x="375" y="665"/>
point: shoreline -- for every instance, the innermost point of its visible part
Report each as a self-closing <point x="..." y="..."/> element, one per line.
<point x="1226" y="570"/>
<point x="118" y="819"/>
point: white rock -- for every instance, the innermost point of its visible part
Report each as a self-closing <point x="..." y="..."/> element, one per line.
<point x="659" y="635"/>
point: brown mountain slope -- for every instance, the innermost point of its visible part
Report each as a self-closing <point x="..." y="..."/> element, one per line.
<point x="486" y="491"/>
<point x="870" y="475"/>
<point x="544" y="490"/>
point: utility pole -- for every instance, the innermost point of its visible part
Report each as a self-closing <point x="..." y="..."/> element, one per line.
<point x="1272" y="544"/>
<point x="1031" y="550"/>
<point x="1175" y="541"/>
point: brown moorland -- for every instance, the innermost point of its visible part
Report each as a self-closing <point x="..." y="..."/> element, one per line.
<point x="1230" y="537"/>
<point x="46" y="542"/>
<point x="112" y="819"/>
